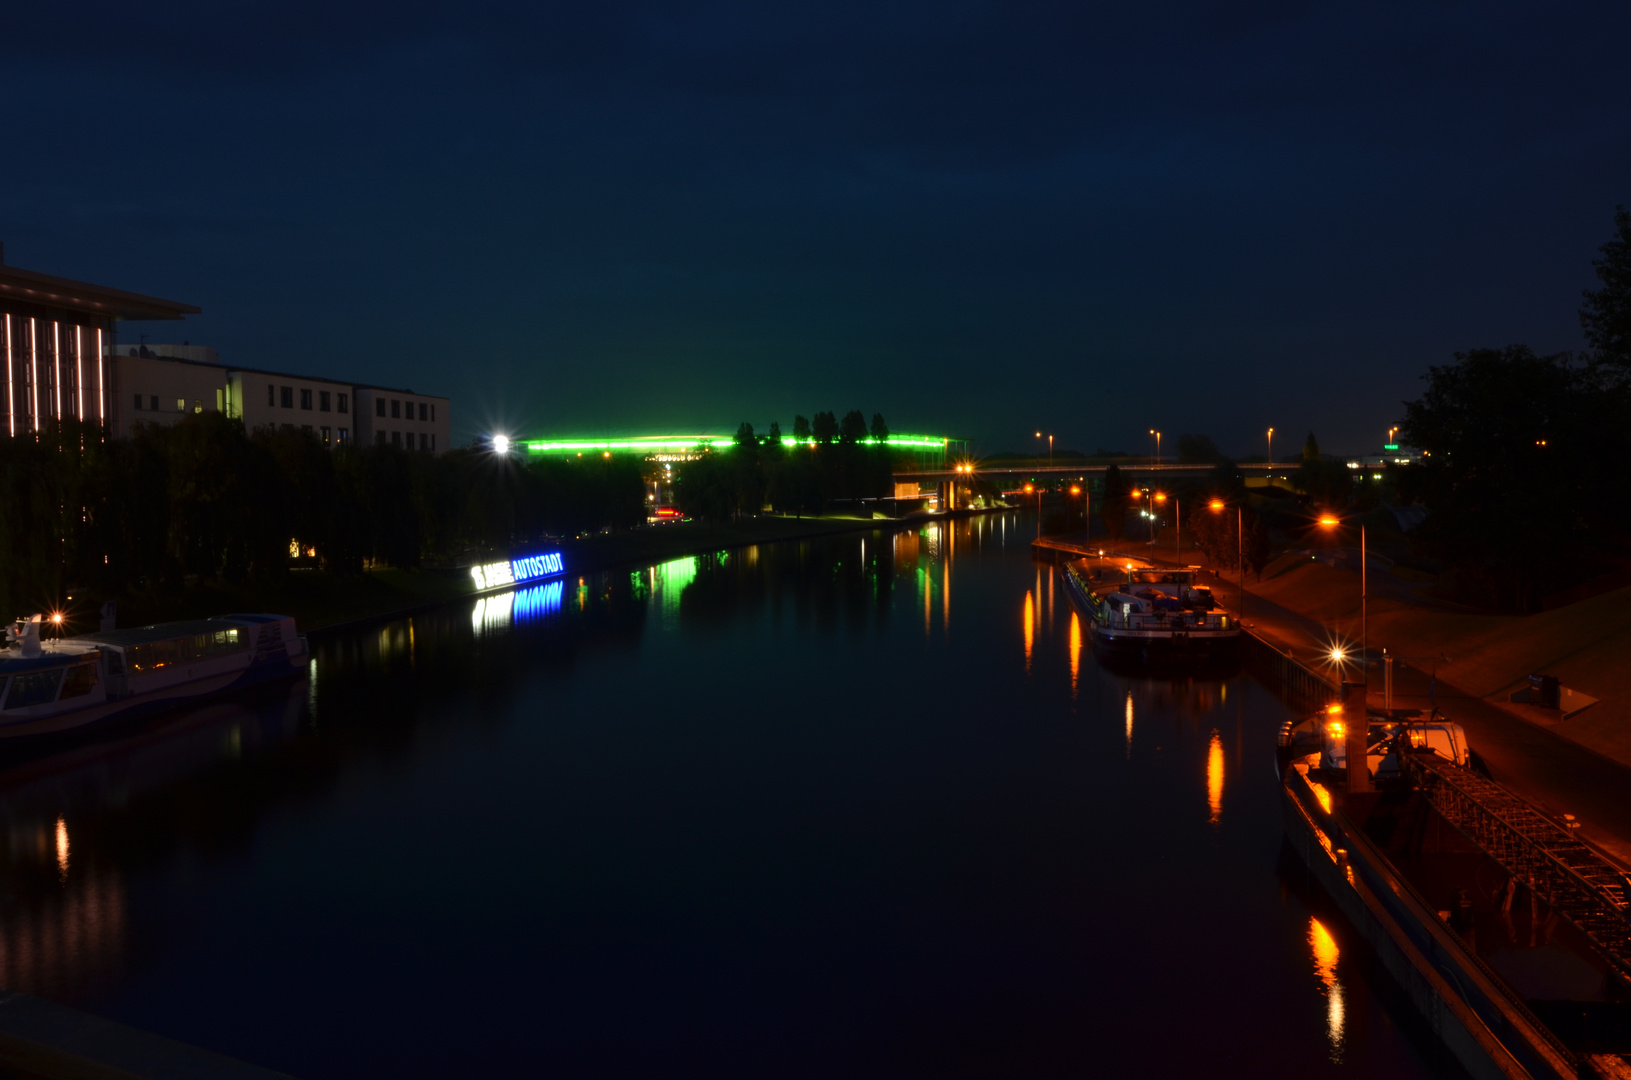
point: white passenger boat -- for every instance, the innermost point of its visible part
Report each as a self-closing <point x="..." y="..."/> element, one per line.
<point x="53" y="686"/>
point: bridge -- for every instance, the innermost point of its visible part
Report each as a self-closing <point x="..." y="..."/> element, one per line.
<point x="1063" y="472"/>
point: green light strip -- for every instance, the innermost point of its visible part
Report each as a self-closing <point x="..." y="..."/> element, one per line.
<point x="682" y="443"/>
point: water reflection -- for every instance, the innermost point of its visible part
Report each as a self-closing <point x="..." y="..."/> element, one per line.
<point x="1129" y="725"/>
<point x="1030" y="627"/>
<point x="1325" y="966"/>
<point x="1075" y="651"/>
<point x="62" y="848"/>
<point x="1214" y="776"/>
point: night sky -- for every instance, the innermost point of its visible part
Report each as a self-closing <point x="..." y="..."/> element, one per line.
<point x="978" y="219"/>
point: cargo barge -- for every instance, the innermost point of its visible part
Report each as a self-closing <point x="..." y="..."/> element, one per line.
<point x="1517" y="962"/>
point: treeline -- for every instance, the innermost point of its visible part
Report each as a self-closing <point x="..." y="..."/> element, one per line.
<point x="1522" y="469"/>
<point x="762" y="471"/>
<point x="204" y="498"/>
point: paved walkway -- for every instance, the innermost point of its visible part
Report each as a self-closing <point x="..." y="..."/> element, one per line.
<point x="1556" y="774"/>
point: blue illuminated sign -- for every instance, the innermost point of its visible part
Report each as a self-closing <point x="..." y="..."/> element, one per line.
<point x="537" y="566"/>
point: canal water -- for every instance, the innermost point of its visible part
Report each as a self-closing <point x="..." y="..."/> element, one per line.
<point x="862" y="805"/>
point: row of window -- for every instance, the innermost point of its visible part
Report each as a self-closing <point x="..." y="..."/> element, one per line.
<point x="186" y="650"/>
<point x="341" y="402"/>
<point x="427" y="409"/>
<point x="427" y="441"/>
<point x="327" y="434"/>
<point x="40" y="687"/>
<point x="153" y="404"/>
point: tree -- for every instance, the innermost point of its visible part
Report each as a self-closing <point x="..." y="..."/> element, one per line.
<point x="744" y="435"/>
<point x="880" y="430"/>
<point x="1113" y="510"/>
<point x="1197" y="450"/>
<point x="1311" y="448"/>
<point x="824" y="429"/>
<point x="1606" y="314"/>
<point x="801" y="429"/>
<point x="1517" y="469"/>
<point x="853" y="428"/>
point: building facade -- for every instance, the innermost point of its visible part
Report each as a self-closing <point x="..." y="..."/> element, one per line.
<point x="56" y="344"/>
<point x="62" y="362"/>
<point x="161" y="388"/>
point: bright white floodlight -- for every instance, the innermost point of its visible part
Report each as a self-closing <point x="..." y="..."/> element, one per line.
<point x="501" y="444"/>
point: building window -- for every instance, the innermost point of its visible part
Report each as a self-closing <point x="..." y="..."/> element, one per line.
<point x="325" y="436"/>
<point x="198" y="406"/>
<point x="379" y="406"/>
<point x="423" y="410"/>
<point x="288" y="397"/>
<point x="396" y="409"/>
<point x="153" y="402"/>
<point x="433" y="412"/>
<point x="305" y="398"/>
<point x="345" y="436"/>
<point x="396" y="438"/>
<point x="181" y="404"/>
<point x="322" y="402"/>
<point x="305" y="429"/>
<point x="345" y="402"/>
<point x="271" y="395"/>
<point x="138" y="403"/>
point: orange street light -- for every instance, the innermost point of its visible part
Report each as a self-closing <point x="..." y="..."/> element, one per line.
<point x="1160" y="496"/>
<point x="1240" y="551"/>
<point x="1330" y="522"/>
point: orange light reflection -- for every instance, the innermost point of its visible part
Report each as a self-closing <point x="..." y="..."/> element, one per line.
<point x="1214" y="776"/>
<point x="1030" y="631"/>
<point x="1075" y="651"/>
<point x="1325" y="966"/>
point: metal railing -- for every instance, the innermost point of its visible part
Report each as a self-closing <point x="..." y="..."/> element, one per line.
<point x="1579" y="884"/>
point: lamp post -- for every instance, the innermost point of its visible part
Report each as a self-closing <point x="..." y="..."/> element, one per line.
<point x="1217" y="506"/>
<point x="1331" y="521"/>
<point x="1028" y="489"/>
<point x="1271" y="449"/>
<point x="1050" y="447"/>
<point x="1087" y="522"/>
<point x="1157" y="435"/>
<point x="1156" y="497"/>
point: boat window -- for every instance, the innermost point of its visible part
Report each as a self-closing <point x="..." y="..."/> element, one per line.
<point x="81" y="679"/>
<point x="4" y="679"/>
<point x="161" y="654"/>
<point x="35" y="688"/>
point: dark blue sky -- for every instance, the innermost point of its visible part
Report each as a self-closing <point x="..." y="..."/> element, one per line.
<point x="979" y="219"/>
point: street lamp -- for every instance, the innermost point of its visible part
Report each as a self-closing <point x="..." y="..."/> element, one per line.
<point x="1087" y="521"/>
<point x="1157" y="435"/>
<point x="1271" y="449"/>
<point x="1050" y="447"/>
<point x="1240" y="552"/>
<point x="1331" y="521"/>
<point x="1155" y="497"/>
<point x="1028" y="489"/>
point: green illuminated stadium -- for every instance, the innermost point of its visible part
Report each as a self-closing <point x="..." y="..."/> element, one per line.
<point x="693" y="444"/>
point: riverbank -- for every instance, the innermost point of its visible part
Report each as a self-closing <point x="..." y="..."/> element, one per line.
<point x="322" y="602"/>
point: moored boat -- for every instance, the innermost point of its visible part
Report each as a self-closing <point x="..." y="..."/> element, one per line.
<point x="1485" y="913"/>
<point x="53" y="686"/>
<point x="1150" y="614"/>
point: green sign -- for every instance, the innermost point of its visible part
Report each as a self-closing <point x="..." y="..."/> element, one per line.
<point x="1390" y="446"/>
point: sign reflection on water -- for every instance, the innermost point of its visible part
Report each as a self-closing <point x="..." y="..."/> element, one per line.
<point x="1325" y="966"/>
<point x="521" y="606"/>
